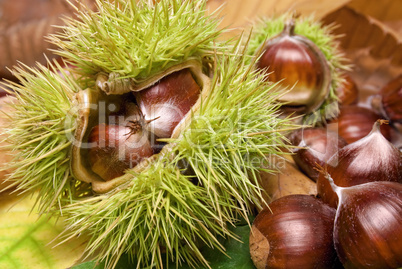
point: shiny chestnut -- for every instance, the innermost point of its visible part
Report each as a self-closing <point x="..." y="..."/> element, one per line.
<point x="355" y="122"/>
<point x="372" y="158"/>
<point x="166" y="103"/>
<point x="314" y="146"/>
<point x="294" y="232"/>
<point x="300" y="66"/>
<point x="368" y="225"/>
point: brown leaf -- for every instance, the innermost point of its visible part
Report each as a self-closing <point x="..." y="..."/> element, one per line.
<point x="289" y="180"/>
<point x="24" y="25"/>
<point x="237" y="14"/>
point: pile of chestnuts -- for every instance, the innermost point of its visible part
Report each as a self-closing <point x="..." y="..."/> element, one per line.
<point x="355" y="221"/>
<point x="355" y="218"/>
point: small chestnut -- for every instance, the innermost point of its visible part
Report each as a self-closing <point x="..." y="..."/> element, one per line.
<point x="355" y="122"/>
<point x="314" y="146"/>
<point x="117" y="148"/>
<point x="392" y="100"/>
<point x="347" y="92"/>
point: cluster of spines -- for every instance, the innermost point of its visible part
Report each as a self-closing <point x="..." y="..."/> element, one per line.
<point x="42" y="124"/>
<point x="137" y="39"/>
<point x="164" y="209"/>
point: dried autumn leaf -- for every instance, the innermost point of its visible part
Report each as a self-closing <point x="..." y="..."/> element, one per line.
<point x="289" y="180"/>
<point x="238" y="13"/>
<point x="388" y="12"/>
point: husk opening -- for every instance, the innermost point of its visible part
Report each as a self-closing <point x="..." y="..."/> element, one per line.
<point x="88" y="106"/>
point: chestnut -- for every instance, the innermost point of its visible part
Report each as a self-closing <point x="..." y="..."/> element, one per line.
<point x="372" y="158"/>
<point x="300" y="66"/>
<point x="168" y="101"/>
<point x="117" y="148"/>
<point x="347" y="92"/>
<point x="294" y="232"/>
<point x="314" y="146"/>
<point x="368" y="229"/>
<point x="355" y="122"/>
<point x="392" y="100"/>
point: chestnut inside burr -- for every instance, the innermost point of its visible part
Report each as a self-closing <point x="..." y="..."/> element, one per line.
<point x="128" y="126"/>
<point x="299" y="65"/>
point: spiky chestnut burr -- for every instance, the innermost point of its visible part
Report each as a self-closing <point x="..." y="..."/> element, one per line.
<point x="126" y="48"/>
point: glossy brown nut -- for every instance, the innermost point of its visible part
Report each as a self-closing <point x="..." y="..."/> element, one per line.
<point x="299" y="65"/>
<point x="167" y="102"/>
<point x="116" y="148"/>
<point x="347" y="92"/>
<point x="372" y="158"/>
<point x="318" y="145"/>
<point x="392" y="100"/>
<point x="368" y="226"/>
<point x="295" y="232"/>
<point x="355" y="122"/>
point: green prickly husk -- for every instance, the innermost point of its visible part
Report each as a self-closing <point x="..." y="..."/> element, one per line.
<point x="40" y="127"/>
<point x="265" y="28"/>
<point x="225" y="145"/>
<point x="139" y="40"/>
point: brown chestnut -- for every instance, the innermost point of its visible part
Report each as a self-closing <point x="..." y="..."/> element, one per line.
<point x="347" y="92"/>
<point x="294" y="232"/>
<point x="314" y="146"/>
<point x="355" y="122"/>
<point x="372" y="158"/>
<point x="168" y="101"/>
<point x="116" y="148"/>
<point x="299" y="65"/>
<point x="392" y="99"/>
<point x="368" y="225"/>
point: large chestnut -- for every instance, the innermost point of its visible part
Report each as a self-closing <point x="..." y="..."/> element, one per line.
<point x="372" y="158"/>
<point x="300" y="66"/>
<point x="294" y="232"/>
<point x="368" y="225"/>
